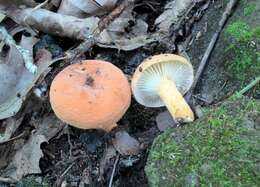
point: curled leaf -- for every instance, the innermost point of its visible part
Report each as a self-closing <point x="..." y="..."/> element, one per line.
<point x="171" y="15"/>
<point x="26" y="160"/>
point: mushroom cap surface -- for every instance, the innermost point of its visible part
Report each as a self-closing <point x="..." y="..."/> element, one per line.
<point x="149" y="74"/>
<point x="93" y="94"/>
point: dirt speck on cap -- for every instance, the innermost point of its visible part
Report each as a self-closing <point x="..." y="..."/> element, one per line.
<point x="89" y="81"/>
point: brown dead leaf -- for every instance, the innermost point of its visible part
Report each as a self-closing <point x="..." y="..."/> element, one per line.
<point x="83" y="8"/>
<point x="49" y="126"/>
<point x="55" y="3"/>
<point x="125" y="34"/>
<point x="17" y="81"/>
<point x="8" y="150"/>
<point x="54" y="23"/>
<point x="172" y="13"/>
<point x="68" y="8"/>
<point x="13" y="4"/>
<point x="9" y="125"/>
<point x="10" y="74"/>
<point x="26" y="160"/>
<point x="125" y="144"/>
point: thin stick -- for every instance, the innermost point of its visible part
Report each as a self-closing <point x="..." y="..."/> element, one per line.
<point x="67" y="170"/>
<point x="60" y="179"/>
<point x="249" y="86"/>
<point x="114" y="14"/>
<point x="13" y="139"/>
<point x="113" y="171"/>
<point x="69" y="140"/>
<point x="211" y="45"/>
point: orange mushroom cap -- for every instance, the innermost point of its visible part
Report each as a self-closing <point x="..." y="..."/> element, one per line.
<point x="92" y="94"/>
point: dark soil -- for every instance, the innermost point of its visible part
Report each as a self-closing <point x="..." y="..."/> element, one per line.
<point x="89" y="146"/>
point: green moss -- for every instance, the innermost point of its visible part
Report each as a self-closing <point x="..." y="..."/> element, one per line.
<point x="221" y="149"/>
<point x="242" y="56"/>
<point x="249" y="8"/>
<point x="257" y="32"/>
<point x="240" y="31"/>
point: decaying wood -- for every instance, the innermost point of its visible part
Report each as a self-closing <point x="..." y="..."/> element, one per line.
<point x="203" y="63"/>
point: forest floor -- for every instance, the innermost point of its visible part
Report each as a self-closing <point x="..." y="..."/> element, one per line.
<point x="75" y="157"/>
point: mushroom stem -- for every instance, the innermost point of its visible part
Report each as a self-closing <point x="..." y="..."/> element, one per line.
<point x="174" y="101"/>
<point x="108" y="128"/>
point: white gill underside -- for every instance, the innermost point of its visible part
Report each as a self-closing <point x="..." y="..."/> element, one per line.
<point x="145" y="90"/>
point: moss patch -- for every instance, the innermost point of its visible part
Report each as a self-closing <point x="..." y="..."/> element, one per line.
<point x="221" y="149"/>
<point x="243" y="56"/>
<point x="235" y="60"/>
<point x="240" y="31"/>
<point x="249" y="7"/>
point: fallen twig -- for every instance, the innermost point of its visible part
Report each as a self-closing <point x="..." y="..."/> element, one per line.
<point x="67" y="170"/>
<point x="14" y="138"/>
<point x="69" y="140"/>
<point x="27" y="57"/>
<point x="60" y="179"/>
<point x="81" y="48"/>
<point x="114" y="14"/>
<point x="249" y="86"/>
<point x="72" y="162"/>
<point x="211" y="45"/>
<point x="113" y="171"/>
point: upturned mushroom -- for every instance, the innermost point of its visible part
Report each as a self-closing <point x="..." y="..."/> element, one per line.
<point x="162" y="80"/>
<point x="92" y="94"/>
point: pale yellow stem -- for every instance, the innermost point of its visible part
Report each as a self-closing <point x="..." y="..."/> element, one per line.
<point x="174" y="101"/>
